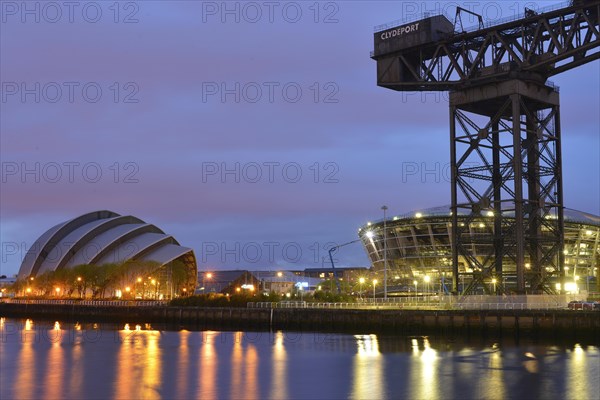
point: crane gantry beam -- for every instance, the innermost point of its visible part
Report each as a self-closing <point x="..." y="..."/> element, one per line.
<point x="535" y="47"/>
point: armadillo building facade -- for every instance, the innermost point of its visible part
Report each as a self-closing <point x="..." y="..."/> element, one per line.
<point x="104" y="237"/>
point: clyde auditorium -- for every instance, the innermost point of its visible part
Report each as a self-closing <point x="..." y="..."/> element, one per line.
<point x="419" y="254"/>
<point x="104" y="237"/>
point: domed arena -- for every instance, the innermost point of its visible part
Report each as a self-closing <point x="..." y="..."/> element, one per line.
<point x="419" y="251"/>
<point x="140" y="258"/>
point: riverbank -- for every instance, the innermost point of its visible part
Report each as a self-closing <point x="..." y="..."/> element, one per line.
<point x="536" y="323"/>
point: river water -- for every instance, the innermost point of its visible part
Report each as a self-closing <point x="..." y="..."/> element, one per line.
<point x="54" y="360"/>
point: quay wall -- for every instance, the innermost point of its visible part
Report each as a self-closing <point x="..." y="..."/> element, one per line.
<point x="553" y="323"/>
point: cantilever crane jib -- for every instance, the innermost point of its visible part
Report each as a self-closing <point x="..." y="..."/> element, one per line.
<point x="537" y="46"/>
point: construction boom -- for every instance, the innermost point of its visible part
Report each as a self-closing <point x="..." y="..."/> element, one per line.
<point x="504" y="129"/>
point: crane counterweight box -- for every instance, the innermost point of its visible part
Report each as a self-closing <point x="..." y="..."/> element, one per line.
<point x="412" y="34"/>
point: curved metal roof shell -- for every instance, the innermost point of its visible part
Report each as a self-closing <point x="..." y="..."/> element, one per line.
<point x="102" y="237"/>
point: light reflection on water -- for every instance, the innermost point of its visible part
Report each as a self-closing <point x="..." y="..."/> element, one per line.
<point x="368" y="374"/>
<point x="60" y="360"/>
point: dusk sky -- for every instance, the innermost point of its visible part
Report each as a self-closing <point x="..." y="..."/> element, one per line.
<point x="142" y="111"/>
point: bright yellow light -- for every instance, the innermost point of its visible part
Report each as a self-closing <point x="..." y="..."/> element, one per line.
<point x="490" y="213"/>
<point x="28" y="290"/>
<point x="153" y="281"/>
<point x="396" y="277"/>
<point x="374" y="281"/>
<point x="209" y="275"/>
<point x="361" y="280"/>
<point x="139" y="279"/>
<point x="494" y="280"/>
<point x="427" y="278"/>
<point x="415" y="282"/>
<point x="127" y="289"/>
<point x="482" y="225"/>
<point x="237" y="289"/>
<point x="184" y="290"/>
<point x="280" y="274"/>
<point x="57" y="289"/>
<point x="370" y="234"/>
<point x="558" y="286"/>
<point x="418" y="215"/>
<point x="31" y="278"/>
<point x="589" y="233"/>
<point x="78" y="279"/>
<point x="571" y="287"/>
<point x="576" y="277"/>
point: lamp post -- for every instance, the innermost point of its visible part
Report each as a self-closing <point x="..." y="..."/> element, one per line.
<point x="427" y="278"/>
<point x="79" y="287"/>
<point x="279" y="282"/>
<point x="374" y="284"/>
<point x="207" y="275"/>
<point x="360" y="281"/>
<point x="415" y="282"/>
<point x="384" y="208"/>
<point x="494" y="283"/>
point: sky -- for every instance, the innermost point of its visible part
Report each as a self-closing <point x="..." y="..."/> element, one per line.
<point x="253" y="132"/>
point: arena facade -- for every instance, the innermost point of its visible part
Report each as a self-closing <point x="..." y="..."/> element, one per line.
<point x="419" y="253"/>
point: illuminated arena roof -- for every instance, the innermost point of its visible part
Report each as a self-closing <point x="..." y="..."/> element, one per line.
<point x="570" y="215"/>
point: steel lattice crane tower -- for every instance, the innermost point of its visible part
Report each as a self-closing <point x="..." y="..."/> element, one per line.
<point x="506" y="167"/>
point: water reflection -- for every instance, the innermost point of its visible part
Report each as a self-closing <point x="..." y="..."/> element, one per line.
<point x="423" y="376"/>
<point x="578" y="388"/>
<point x="236" y="367"/>
<point x="368" y="369"/>
<point x="138" y="364"/>
<point x="279" y="368"/>
<point x="25" y="380"/>
<point x="55" y="365"/>
<point x="208" y="367"/>
<point x="495" y="374"/>
<point x="62" y="360"/>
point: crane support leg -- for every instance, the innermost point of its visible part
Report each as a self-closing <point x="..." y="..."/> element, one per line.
<point x="506" y="178"/>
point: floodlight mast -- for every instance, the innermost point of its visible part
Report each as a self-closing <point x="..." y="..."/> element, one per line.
<point x="505" y="120"/>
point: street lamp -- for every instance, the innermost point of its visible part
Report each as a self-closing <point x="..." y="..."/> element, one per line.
<point x="427" y="278"/>
<point x="374" y="284"/>
<point x="494" y="283"/>
<point x="416" y="283"/>
<point x="384" y="208"/>
<point x="360" y="281"/>
<point x="207" y="275"/>
<point x="79" y="286"/>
